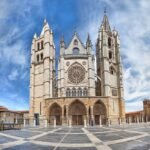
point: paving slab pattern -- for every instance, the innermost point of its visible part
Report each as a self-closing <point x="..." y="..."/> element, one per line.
<point x="125" y="137"/>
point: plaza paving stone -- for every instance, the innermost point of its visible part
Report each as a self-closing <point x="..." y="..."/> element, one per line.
<point x="19" y="133"/>
<point x="131" y="145"/>
<point x="81" y="148"/>
<point x="51" y="138"/>
<point x="29" y="146"/>
<point x="4" y="139"/>
<point x="77" y="138"/>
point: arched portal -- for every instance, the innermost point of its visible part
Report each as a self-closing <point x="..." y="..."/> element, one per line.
<point x="55" y="113"/>
<point x="77" y="111"/>
<point x="99" y="111"/>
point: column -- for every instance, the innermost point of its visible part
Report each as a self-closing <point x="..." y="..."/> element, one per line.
<point x="16" y="121"/>
<point x="85" y="125"/>
<point x="67" y="118"/>
<point x="137" y="118"/>
<point x="24" y="122"/>
<point x="146" y="119"/>
<point x="108" y="122"/>
<point x="54" y="122"/>
<point x="92" y="117"/>
<point x="45" y="123"/>
<point x="142" y="118"/>
<point x="120" y="123"/>
<point x="34" y="122"/>
<point x="100" y="121"/>
<point x="70" y="123"/>
<point x="62" y="117"/>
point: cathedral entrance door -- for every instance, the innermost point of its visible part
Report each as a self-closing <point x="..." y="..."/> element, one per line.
<point x="99" y="109"/>
<point x="77" y="111"/>
<point x="55" y="113"/>
<point x="58" y="120"/>
<point x="77" y="120"/>
<point x="97" y="119"/>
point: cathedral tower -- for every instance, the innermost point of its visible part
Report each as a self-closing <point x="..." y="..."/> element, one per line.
<point x="42" y="71"/>
<point x="109" y="68"/>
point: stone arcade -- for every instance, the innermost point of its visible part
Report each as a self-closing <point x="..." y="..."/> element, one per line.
<point x="79" y="95"/>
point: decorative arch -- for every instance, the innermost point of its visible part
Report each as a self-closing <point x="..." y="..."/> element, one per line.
<point x="77" y="112"/>
<point x="75" y="51"/>
<point x="99" y="110"/>
<point x="55" y="112"/>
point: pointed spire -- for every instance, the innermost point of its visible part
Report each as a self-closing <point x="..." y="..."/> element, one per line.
<point x="88" y="42"/>
<point x="62" y="42"/>
<point x="45" y="27"/>
<point x="45" y="21"/>
<point x="105" y="22"/>
<point x="35" y="36"/>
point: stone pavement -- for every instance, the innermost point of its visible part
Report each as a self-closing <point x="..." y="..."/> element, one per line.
<point x="124" y="137"/>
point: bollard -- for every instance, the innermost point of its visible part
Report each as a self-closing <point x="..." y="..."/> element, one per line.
<point x="70" y="123"/>
<point x="85" y="123"/>
<point x="34" y="123"/>
<point x="100" y="121"/>
<point x="54" y="123"/>
<point x="45" y="124"/>
<point x="24" y="123"/>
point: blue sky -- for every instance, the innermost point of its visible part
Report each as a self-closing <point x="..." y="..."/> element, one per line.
<point x="19" y="20"/>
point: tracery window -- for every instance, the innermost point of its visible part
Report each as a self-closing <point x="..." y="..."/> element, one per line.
<point x="75" y="51"/>
<point x="37" y="57"/>
<point x="79" y="92"/>
<point x="75" y="42"/>
<point x="74" y="92"/>
<point x="110" y="55"/>
<point x="76" y="73"/>
<point x="109" y="42"/>
<point x="41" y="56"/>
<point x="112" y="70"/>
<point x="38" y="45"/>
<point x="68" y="92"/>
<point x="42" y="45"/>
<point x="85" y="92"/>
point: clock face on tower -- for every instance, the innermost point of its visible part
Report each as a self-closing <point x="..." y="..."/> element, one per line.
<point x="76" y="74"/>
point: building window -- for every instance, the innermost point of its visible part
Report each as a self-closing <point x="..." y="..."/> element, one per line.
<point x="73" y="92"/>
<point x="75" y="51"/>
<point x="38" y="58"/>
<point x="75" y="42"/>
<point x="109" y="42"/>
<point x="79" y="92"/>
<point x="38" y="45"/>
<point x="85" y="92"/>
<point x="68" y="92"/>
<point x="41" y="56"/>
<point x="42" y="45"/>
<point x="112" y="70"/>
<point x="110" y="55"/>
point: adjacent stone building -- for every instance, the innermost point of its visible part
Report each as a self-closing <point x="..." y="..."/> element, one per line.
<point x="80" y="93"/>
<point x="139" y="116"/>
<point x="11" y="116"/>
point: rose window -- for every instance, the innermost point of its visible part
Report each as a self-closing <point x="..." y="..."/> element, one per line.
<point x="76" y="74"/>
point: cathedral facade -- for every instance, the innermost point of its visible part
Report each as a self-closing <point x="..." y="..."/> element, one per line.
<point x="82" y="92"/>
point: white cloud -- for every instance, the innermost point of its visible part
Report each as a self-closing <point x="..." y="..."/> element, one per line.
<point x="131" y="20"/>
<point x="13" y="75"/>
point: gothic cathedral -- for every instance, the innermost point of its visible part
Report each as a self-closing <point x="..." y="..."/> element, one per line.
<point x="82" y="92"/>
